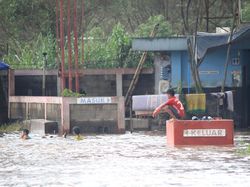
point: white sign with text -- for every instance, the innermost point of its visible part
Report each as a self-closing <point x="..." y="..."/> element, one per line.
<point x="94" y="100"/>
<point x="204" y="132"/>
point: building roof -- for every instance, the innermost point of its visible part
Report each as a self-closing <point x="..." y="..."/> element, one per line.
<point x="160" y="44"/>
<point x="205" y="41"/>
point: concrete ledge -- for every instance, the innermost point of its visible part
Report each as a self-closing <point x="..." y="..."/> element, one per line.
<point x="42" y="127"/>
<point x="137" y="124"/>
<point x="35" y="99"/>
<point x="107" y="127"/>
<point x="82" y="72"/>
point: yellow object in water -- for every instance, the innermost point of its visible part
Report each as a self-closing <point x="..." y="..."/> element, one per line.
<point x="78" y="137"/>
<point x="196" y="103"/>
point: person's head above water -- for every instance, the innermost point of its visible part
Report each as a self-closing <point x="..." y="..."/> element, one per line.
<point x="25" y="134"/>
<point x="76" y="130"/>
<point x="170" y="92"/>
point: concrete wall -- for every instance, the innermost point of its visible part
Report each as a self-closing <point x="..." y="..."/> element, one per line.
<point x="94" y="118"/>
<point x="18" y="111"/>
<point x="66" y="111"/>
<point x="99" y="85"/>
<point x="99" y="82"/>
<point x="23" y="111"/>
<point x="53" y="112"/>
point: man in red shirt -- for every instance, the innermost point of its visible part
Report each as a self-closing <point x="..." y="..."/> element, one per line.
<point x="173" y="107"/>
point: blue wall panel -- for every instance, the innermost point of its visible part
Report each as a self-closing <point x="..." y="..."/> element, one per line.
<point x="176" y="68"/>
<point x="212" y="68"/>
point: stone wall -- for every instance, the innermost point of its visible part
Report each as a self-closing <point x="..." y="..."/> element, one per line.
<point x="94" y="118"/>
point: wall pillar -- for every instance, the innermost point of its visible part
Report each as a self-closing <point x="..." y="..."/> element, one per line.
<point x="65" y="113"/>
<point x="65" y="119"/>
<point x="11" y="88"/>
<point x="11" y="82"/>
<point x="118" y="84"/>
<point x="45" y="111"/>
<point x="58" y="81"/>
<point x="121" y="114"/>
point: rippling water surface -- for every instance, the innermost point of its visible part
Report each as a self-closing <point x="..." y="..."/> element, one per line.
<point x="138" y="159"/>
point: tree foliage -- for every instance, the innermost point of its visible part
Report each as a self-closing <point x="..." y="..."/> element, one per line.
<point x="146" y="28"/>
<point x="27" y="27"/>
<point x="246" y="11"/>
<point x="31" y="53"/>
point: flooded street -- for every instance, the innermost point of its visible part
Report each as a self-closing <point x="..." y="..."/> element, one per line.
<point x="138" y="159"/>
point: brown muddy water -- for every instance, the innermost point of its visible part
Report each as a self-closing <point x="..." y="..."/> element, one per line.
<point x="138" y="159"/>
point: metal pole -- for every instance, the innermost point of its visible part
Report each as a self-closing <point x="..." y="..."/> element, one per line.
<point x="57" y="30"/>
<point x="83" y="31"/>
<point x="62" y="44"/>
<point x="76" y="48"/>
<point x="69" y="49"/>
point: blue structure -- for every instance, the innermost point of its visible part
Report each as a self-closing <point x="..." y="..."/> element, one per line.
<point x="211" y="53"/>
<point x="4" y="66"/>
<point x="211" y="69"/>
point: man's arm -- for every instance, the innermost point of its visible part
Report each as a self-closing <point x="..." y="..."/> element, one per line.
<point x="158" y="109"/>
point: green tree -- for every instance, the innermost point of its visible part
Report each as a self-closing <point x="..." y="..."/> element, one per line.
<point x="118" y="44"/>
<point x="145" y="29"/>
<point x="30" y="54"/>
<point x="246" y="11"/>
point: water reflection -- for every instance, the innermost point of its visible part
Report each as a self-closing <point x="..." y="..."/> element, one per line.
<point x="138" y="159"/>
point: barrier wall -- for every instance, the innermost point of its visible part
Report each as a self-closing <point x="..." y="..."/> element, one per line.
<point x="199" y="132"/>
<point x="88" y="113"/>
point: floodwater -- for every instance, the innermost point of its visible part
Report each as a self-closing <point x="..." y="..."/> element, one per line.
<point x="138" y="159"/>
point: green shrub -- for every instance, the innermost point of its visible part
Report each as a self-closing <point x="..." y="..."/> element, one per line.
<point x="70" y="93"/>
<point x="12" y="127"/>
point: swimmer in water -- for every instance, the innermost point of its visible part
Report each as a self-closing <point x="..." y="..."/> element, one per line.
<point x="25" y="134"/>
<point x="76" y="130"/>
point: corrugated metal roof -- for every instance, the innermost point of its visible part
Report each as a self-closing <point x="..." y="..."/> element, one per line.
<point x="160" y="44"/>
